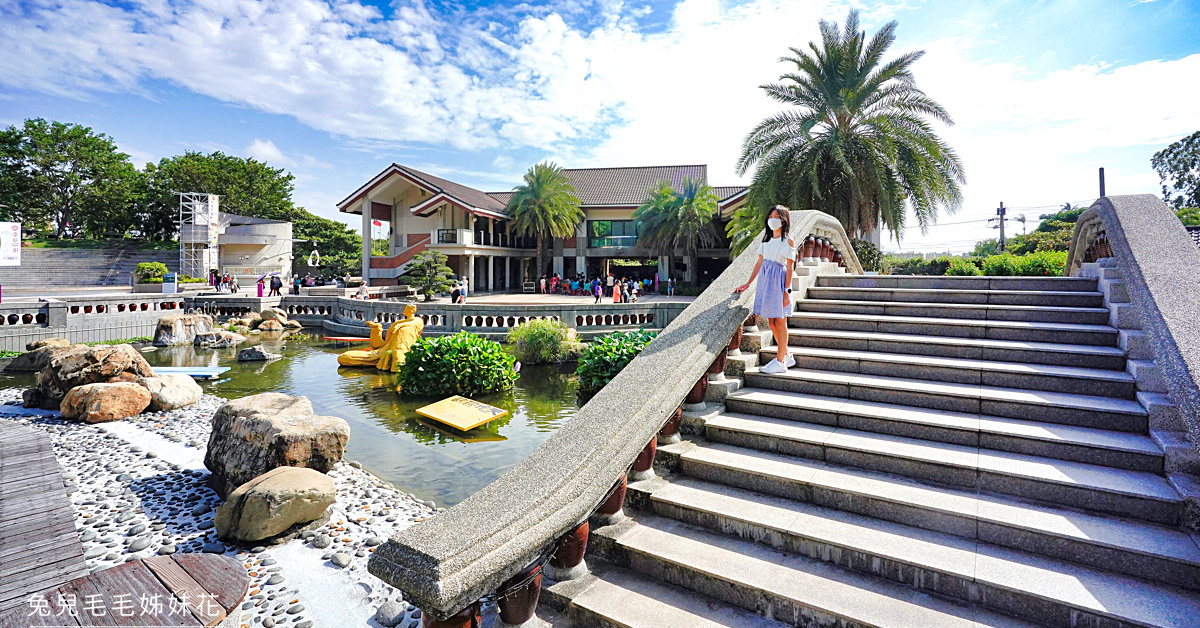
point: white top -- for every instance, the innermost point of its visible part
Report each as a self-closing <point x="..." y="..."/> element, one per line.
<point x="777" y="250"/>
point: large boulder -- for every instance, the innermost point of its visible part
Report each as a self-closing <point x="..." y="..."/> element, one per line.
<point x="251" y="319"/>
<point x="255" y="434"/>
<point x="170" y="391"/>
<point x="35" y="359"/>
<point x="271" y="325"/>
<point x="274" y="314"/>
<point x="47" y="342"/>
<point x="274" y="503"/>
<point x="99" y="403"/>
<point x="256" y="354"/>
<point x="78" y="365"/>
<point x="218" y="339"/>
<point x="181" y="329"/>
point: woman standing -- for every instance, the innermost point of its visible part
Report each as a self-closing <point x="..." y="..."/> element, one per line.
<point x="773" y="298"/>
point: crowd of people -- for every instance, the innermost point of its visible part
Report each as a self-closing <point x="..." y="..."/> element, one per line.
<point x="622" y="290"/>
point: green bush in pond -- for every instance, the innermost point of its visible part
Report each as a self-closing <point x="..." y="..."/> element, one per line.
<point x="605" y="357"/>
<point x="962" y="267"/>
<point x="542" y="341"/>
<point x="463" y="364"/>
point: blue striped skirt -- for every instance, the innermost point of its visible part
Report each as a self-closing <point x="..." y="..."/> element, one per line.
<point x="768" y="296"/>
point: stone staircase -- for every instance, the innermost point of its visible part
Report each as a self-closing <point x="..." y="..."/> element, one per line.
<point x="65" y="268"/>
<point x="946" y="452"/>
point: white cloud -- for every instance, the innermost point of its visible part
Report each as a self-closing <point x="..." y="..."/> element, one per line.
<point x="266" y="151"/>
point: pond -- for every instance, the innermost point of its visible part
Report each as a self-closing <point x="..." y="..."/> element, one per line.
<point x="386" y="435"/>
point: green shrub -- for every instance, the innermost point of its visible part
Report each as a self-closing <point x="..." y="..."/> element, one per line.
<point x="462" y="364"/>
<point x="1043" y="264"/>
<point x="963" y="267"/>
<point x="151" y="269"/>
<point x="894" y="265"/>
<point x="151" y="280"/>
<point x="540" y="341"/>
<point x="1003" y="265"/>
<point x="868" y="254"/>
<point x="186" y="279"/>
<point x="605" y="357"/>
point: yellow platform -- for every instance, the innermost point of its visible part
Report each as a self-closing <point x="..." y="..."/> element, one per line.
<point x="461" y="413"/>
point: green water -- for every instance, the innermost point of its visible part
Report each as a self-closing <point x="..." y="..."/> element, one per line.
<point x="386" y="434"/>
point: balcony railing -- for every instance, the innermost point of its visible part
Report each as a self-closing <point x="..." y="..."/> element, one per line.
<point x="612" y="242"/>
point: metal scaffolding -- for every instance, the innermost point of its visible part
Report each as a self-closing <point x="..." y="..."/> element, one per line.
<point x="199" y="228"/>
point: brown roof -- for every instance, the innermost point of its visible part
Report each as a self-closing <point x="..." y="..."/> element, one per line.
<point x="621" y="186"/>
<point x="468" y="195"/>
<point x="725" y="192"/>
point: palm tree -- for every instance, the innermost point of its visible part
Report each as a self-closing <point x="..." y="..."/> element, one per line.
<point x="671" y="219"/>
<point x="545" y="207"/>
<point x="858" y="143"/>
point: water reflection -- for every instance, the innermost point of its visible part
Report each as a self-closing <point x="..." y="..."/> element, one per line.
<point x="387" y="436"/>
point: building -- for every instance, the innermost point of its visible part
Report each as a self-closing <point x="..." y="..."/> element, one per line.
<point x="246" y="247"/>
<point x="421" y="211"/>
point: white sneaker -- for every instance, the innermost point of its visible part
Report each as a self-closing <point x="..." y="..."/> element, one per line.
<point x="789" y="361"/>
<point x="774" y="367"/>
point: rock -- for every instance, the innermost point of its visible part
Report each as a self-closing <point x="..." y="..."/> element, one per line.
<point x="35" y="359"/>
<point x="171" y="391"/>
<point x="294" y="325"/>
<point x="213" y="548"/>
<point x="275" y="579"/>
<point x="273" y="502"/>
<point x="32" y="398"/>
<point x="47" y="342"/>
<point x="270" y="326"/>
<point x="202" y="509"/>
<point x="341" y="560"/>
<point x="251" y="319"/>
<point x="255" y="434"/>
<point x="166" y="550"/>
<point x="78" y="365"/>
<point x="372" y="541"/>
<point x="181" y="329"/>
<point x="273" y="314"/>
<point x="321" y="541"/>
<point x="256" y="354"/>
<point x="98" y="403"/>
<point x="218" y="339"/>
<point x="389" y="614"/>
<point x="139" y="544"/>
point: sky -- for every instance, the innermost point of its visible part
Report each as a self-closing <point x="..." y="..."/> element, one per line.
<point x="1042" y="93"/>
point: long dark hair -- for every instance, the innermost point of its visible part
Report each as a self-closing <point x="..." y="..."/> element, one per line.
<point x="785" y="215"/>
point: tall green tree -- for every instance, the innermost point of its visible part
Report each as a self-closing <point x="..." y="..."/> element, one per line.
<point x="249" y="187"/>
<point x="679" y="219"/>
<point x="428" y="274"/>
<point x="1178" y="167"/>
<point x="545" y="207"/>
<point x="857" y="142"/>
<point x="67" y="177"/>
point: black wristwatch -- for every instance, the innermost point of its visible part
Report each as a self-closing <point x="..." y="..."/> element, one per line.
<point x="789" y="290"/>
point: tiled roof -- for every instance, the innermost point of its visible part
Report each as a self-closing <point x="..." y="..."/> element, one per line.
<point x="471" y="196"/>
<point x="724" y="192"/>
<point x="1194" y="231"/>
<point x="621" y="186"/>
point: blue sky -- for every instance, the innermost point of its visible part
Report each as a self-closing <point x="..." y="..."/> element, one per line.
<point x="1043" y="93"/>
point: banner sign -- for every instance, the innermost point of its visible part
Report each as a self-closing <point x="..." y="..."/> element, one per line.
<point x="10" y="244"/>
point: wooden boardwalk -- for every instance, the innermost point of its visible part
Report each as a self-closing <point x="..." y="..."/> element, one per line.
<point x="39" y="547"/>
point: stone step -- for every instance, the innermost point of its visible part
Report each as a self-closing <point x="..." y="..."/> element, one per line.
<point x="784" y="587"/>
<point x="1033" y="284"/>
<point x="939" y="563"/>
<point x="1066" y="379"/>
<point x="1122" y="450"/>
<point x="970" y="311"/>
<point x="925" y="295"/>
<point x="1106" y="413"/>
<point x="612" y="597"/>
<point x="1129" y="546"/>
<point x="1069" y="333"/>
<point x="1058" y="354"/>
<point x="1109" y="490"/>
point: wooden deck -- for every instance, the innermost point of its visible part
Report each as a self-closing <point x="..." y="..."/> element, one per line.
<point x="178" y="590"/>
<point x="39" y="547"/>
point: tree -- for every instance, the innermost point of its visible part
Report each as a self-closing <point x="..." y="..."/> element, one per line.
<point x="1178" y="167"/>
<point x="983" y="248"/>
<point x="429" y="273"/>
<point x="544" y="207"/>
<point x="679" y="219"/>
<point x="858" y="143"/>
<point x="249" y="188"/>
<point x="66" y="176"/>
<point x="1189" y="216"/>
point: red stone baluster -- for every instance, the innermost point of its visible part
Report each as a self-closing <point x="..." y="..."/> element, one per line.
<point x="716" y="370"/>
<point x="466" y="618"/>
<point x="806" y="251"/>
<point x="611" y="510"/>
<point x="735" y="342"/>
<point x="517" y="606"/>
<point x="567" y="561"/>
<point x="670" y="430"/>
<point x="643" y="466"/>
<point x="695" y="398"/>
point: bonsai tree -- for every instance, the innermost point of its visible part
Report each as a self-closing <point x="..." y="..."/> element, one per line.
<point x="151" y="271"/>
<point x="428" y="273"/>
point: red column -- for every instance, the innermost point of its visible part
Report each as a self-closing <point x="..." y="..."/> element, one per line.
<point x="716" y="370"/>
<point x="735" y="342"/>
<point x="643" y="466"/>
<point x="695" y="397"/>
<point x="806" y="250"/>
<point x="518" y="604"/>
<point x="611" y="510"/>
<point x="670" y="430"/>
<point x="466" y="618"/>
<point x="567" y="561"/>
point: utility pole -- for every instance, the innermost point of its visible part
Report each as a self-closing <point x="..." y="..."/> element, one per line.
<point x="1102" y="182"/>
<point x="1000" y="214"/>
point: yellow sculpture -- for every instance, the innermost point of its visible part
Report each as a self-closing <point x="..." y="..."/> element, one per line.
<point x="387" y="354"/>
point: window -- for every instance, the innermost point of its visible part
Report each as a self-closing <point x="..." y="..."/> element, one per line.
<point x="611" y="233"/>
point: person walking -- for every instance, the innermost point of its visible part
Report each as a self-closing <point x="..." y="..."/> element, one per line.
<point x="596" y="290"/>
<point x="608" y="283"/>
<point x="276" y="284"/>
<point x="455" y="292"/>
<point x="462" y="295"/>
<point x="773" y="297"/>
<point x="542" y="285"/>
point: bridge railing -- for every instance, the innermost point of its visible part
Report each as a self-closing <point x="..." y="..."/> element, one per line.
<point x="495" y="542"/>
<point x="1161" y="267"/>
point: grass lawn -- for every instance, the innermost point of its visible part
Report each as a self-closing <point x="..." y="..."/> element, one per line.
<point x="115" y="243"/>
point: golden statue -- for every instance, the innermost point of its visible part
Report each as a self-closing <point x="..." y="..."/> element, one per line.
<point x="387" y="354"/>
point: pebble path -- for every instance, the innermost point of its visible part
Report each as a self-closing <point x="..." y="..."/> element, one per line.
<point x="130" y="503"/>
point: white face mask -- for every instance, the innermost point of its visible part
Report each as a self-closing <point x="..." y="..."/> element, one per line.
<point x="774" y="223"/>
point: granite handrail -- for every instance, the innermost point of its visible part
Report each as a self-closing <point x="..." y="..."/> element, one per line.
<point x="1161" y="267"/>
<point x="445" y="564"/>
